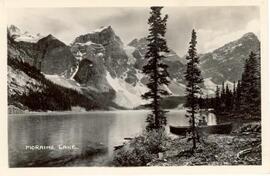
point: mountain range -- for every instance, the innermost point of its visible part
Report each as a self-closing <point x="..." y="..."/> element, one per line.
<point x="107" y="72"/>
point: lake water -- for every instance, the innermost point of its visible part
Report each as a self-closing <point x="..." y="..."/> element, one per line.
<point x="93" y="134"/>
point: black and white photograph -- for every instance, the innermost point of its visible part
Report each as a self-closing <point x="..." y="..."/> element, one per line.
<point x="134" y="86"/>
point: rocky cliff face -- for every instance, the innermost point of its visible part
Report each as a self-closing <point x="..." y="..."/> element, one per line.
<point x="107" y="64"/>
<point x="54" y="57"/>
<point x="91" y="70"/>
<point x="29" y="89"/>
<point x="103" y="44"/>
<point x="18" y="49"/>
<point x="20" y="83"/>
<point x="48" y="54"/>
<point x="176" y="67"/>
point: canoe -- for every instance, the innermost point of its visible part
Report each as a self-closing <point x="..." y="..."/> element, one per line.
<point x="180" y="130"/>
<point x="224" y="128"/>
<point x="118" y="147"/>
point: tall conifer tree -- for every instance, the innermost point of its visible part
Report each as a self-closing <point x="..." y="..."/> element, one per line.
<point x="155" y="69"/>
<point x="234" y="94"/>
<point x="251" y="86"/>
<point x="193" y="78"/>
<point x="228" y="99"/>
<point x="222" y="97"/>
<point x="217" y="100"/>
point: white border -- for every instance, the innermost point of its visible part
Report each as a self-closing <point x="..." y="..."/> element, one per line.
<point x="265" y="168"/>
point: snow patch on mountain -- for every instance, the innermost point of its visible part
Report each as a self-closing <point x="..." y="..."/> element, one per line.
<point x="230" y="84"/>
<point x="26" y="37"/>
<point x="62" y="81"/>
<point x="126" y="95"/>
<point x="13" y="30"/>
<point x="19" y="35"/>
<point x="176" y="88"/>
<point x="79" y="55"/>
<point x="129" y="51"/>
<point x="139" y="85"/>
<point x="100" y="29"/>
<point x="168" y="90"/>
<point x="171" y="55"/>
<point x="210" y="86"/>
<point x="74" y="73"/>
<point x="86" y="43"/>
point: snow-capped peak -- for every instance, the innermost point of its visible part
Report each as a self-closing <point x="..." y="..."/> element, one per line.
<point x="102" y="28"/>
<point x="14" y="30"/>
<point x="24" y="36"/>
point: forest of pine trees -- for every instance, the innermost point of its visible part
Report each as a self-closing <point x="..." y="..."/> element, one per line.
<point x="244" y="99"/>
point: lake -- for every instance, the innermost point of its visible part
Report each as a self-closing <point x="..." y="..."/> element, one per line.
<point x="74" y="139"/>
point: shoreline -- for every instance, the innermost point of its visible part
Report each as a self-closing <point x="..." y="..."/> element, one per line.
<point x="83" y="112"/>
<point x="241" y="147"/>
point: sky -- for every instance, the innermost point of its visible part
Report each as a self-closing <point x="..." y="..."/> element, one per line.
<point x="215" y="26"/>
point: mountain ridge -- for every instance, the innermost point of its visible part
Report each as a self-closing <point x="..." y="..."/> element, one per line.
<point x="100" y="62"/>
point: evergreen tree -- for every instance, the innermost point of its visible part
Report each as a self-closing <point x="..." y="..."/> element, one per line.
<point x="155" y="69"/>
<point x="223" y="91"/>
<point x="234" y="88"/>
<point x="193" y="78"/>
<point x="222" y="98"/>
<point x="228" y="99"/>
<point x="212" y="103"/>
<point x="238" y="97"/>
<point x="206" y="106"/>
<point x="201" y="102"/>
<point x="234" y="97"/>
<point x="251" y="86"/>
<point x="217" y="100"/>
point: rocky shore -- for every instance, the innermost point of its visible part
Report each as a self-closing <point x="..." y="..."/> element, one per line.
<point x="241" y="147"/>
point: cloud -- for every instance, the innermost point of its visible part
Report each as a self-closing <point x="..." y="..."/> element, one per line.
<point x="219" y="38"/>
<point x="215" y="25"/>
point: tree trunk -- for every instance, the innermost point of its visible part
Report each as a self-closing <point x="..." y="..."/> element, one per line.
<point x="193" y="128"/>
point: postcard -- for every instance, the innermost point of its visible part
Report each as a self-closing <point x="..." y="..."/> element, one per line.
<point x="138" y="87"/>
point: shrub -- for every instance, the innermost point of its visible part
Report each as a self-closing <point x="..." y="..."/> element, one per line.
<point x="142" y="149"/>
<point x="155" y="141"/>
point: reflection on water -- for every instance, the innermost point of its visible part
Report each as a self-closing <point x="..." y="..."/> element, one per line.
<point x="94" y="134"/>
